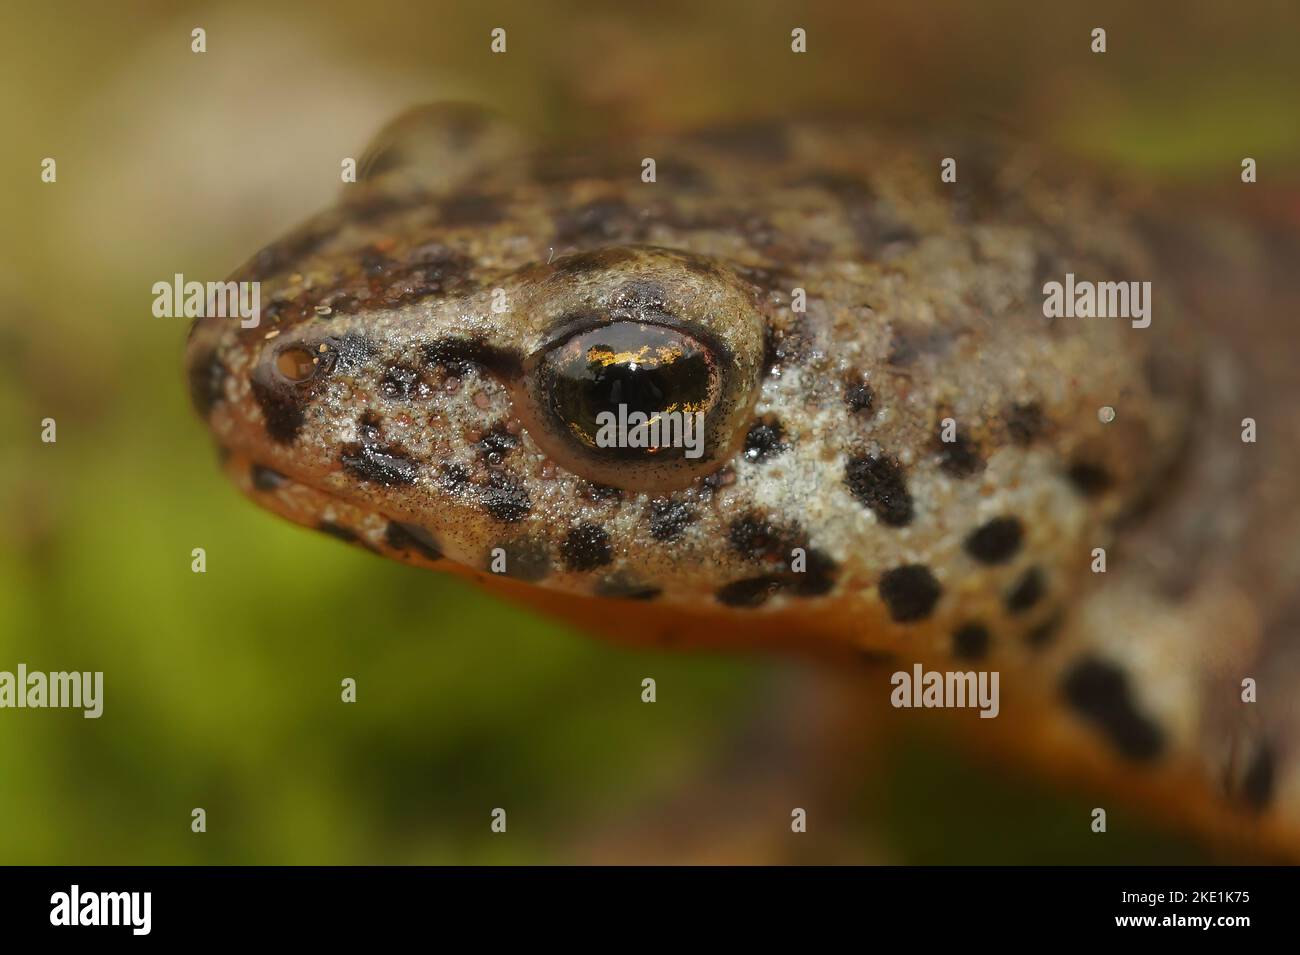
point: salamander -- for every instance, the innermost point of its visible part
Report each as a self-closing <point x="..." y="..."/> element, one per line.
<point x="900" y="455"/>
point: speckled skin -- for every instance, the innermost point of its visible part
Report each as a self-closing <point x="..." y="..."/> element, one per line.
<point x="416" y="434"/>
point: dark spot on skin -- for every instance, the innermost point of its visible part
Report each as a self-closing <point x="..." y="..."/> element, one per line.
<point x="498" y="441"/>
<point x="586" y="547"/>
<point x="909" y="592"/>
<point x="669" y="519"/>
<point x="1042" y="634"/>
<point x="283" y="408"/>
<point x="960" y="457"/>
<point x="764" y="441"/>
<point x="454" y="476"/>
<point x="379" y="465"/>
<point x="505" y="497"/>
<point x="369" y="426"/>
<point x="266" y="479"/>
<point x="526" y="559"/>
<point x="207" y="382"/>
<point x="750" y="592"/>
<point x="877" y="483"/>
<point x="1027" y="591"/>
<point x="762" y="541"/>
<point x="461" y="355"/>
<point x="496" y="444"/>
<point x="995" y="542"/>
<point x="1099" y="692"/>
<point x="1088" y="479"/>
<point x="1257" y="784"/>
<point x="818" y="576"/>
<point x="338" y="531"/>
<point x="436" y="271"/>
<point x="412" y="537"/>
<point x="403" y="383"/>
<point x="971" y="642"/>
<point x="601" y="220"/>
<point x="374" y="263"/>
<point x="625" y="589"/>
<point x="470" y="210"/>
<point x="859" y="396"/>
<point x="431" y="269"/>
<point x="758" y="539"/>
<point x="1025" y="423"/>
<point x="347" y="353"/>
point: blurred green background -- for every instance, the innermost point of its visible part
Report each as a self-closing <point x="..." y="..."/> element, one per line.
<point x="222" y="689"/>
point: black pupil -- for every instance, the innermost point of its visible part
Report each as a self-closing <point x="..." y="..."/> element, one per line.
<point x="633" y="385"/>
<point x="642" y="368"/>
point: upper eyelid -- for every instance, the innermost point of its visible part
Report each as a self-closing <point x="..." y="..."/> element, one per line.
<point x="571" y="325"/>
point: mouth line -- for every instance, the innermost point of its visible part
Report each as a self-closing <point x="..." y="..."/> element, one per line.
<point x="357" y="520"/>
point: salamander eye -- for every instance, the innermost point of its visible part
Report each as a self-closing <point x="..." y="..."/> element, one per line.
<point x="635" y="404"/>
<point x="628" y="372"/>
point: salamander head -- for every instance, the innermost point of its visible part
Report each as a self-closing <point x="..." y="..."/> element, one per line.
<point x="451" y="373"/>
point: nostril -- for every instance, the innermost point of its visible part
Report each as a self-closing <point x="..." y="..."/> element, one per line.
<point x="296" y="364"/>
